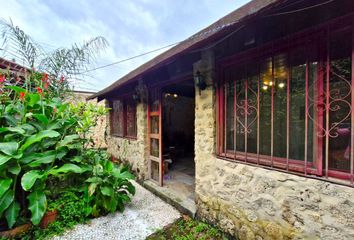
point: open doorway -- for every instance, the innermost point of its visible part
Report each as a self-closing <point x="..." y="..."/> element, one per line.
<point x="178" y="108"/>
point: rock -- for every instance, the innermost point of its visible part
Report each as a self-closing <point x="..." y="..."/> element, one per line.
<point x="245" y="233"/>
<point x="274" y="231"/>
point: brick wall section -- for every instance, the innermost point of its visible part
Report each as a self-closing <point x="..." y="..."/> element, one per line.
<point x="255" y="203"/>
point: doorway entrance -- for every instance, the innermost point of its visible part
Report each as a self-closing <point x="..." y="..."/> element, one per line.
<point x="178" y="113"/>
<point x="171" y="115"/>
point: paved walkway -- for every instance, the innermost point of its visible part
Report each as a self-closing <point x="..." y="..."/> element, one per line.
<point x="143" y="216"/>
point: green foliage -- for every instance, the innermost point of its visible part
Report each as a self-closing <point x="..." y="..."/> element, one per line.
<point x="37" y="139"/>
<point x="107" y="187"/>
<point x="72" y="210"/>
<point x="40" y="137"/>
<point x="188" y="229"/>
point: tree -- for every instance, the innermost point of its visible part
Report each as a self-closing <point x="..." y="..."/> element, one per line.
<point x="69" y="62"/>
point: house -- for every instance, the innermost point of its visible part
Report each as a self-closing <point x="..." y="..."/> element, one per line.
<point x="16" y="72"/>
<point x="250" y="119"/>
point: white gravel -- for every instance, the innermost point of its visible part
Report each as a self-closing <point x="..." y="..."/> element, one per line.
<point x="143" y="216"/>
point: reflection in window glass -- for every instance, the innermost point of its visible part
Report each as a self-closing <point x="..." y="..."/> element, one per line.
<point x="280" y="101"/>
<point x="230" y="115"/>
<point x="265" y="97"/>
<point x="154" y="147"/>
<point x="154" y="124"/>
<point x="240" y="110"/>
<point x="155" y="171"/>
<point x="340" y="99"/>
<point x="252" y="93"/>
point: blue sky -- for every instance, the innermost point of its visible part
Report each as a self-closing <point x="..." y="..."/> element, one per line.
<point x="131" y="27"/>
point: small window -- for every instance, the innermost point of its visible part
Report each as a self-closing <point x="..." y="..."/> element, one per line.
<point x="123" y="118"/>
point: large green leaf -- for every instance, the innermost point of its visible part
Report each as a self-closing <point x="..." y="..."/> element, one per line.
<point x="92" y="188"/>
<point x="12" y="129"/>
<point x="4" y="159"/>
<point x="37" y="206"/>
<point x="38" y="137"/>
<point x="67" y="139"/>
<point x="34" y="99"/>
<point x="43" y="158"/>
<point x="16" y="89"/>
<point x="28" y="158"/>
<point x="29" y="178"/>
<point x="12" y="213"/>
<point x="4" y="185"/>
<point x="42" y="118"/>
<point x="9" y="148"/>
<point x="122" y="175"/>
<point x="68" y="167"/>
<point x="14" y="168"/>
<point x="107" y="190"/>
<point x="6" y="200"/>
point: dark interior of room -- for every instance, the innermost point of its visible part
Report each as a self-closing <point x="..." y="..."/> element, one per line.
<point x="178" y="126"/>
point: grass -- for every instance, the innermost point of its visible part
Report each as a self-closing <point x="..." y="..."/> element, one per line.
<point x="188" y="229"/>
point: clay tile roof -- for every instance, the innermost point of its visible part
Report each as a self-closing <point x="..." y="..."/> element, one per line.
<point x="12" y="66"/>
<point x="219" y="26"/>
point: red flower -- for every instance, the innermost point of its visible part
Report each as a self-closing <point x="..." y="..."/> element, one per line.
<point x="46" y="85"/>
<point x="2" y="78"/>
<point x="61" y="79"/>
<point x="44" y="77"/>
<point x="22" y="96"/>
<point x="40" y="91"/>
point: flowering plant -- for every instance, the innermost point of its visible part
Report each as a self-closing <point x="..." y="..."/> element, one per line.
<point x="39" y="138"/>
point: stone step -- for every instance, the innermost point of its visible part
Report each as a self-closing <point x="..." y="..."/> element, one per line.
<point x="186" y="206"/>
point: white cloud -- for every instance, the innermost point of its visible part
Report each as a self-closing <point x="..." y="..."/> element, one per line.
<point x="131" y="27"/>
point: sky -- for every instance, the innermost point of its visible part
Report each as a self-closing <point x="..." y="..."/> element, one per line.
<point x="131" y="27"/>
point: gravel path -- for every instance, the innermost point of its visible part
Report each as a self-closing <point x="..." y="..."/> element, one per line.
<point x="143" y="216"/>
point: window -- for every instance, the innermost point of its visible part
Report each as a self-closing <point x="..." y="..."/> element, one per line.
<point x="123" y="118"/>
<point x="291" y="109"/>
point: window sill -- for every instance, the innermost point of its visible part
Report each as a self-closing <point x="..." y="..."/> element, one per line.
<point x="343" y="180"/>
<point x="124" y="137"/>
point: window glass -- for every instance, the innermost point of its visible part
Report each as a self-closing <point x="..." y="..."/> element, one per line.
<point x="265" y="103"/>
<point x="280" y="105"/>
<point x="252" y="108"/>
<point x="230" y="116"/>
<point x="340" y="99"/>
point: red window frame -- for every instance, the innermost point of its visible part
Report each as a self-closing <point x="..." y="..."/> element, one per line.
<point x="126" y="125"/>
<point x="315" y="169"/>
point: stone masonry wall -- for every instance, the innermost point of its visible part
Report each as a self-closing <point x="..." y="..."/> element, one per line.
<point x="132" y="151"/>
<point x="255" y="203"/>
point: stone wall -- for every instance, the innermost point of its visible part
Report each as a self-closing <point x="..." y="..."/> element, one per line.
<point x="255" y="203"/>
<point x="132" y="151"/>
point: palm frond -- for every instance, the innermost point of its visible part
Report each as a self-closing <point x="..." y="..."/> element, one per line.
<point x="19" y="42"/>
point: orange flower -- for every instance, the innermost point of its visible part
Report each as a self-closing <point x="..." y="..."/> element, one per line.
<point x="46" y="85"/>
<point x="44" y="77"/>
<point x="22" y="96"/>
<point x="40" y="91"/>
<point x="2" y="78"/>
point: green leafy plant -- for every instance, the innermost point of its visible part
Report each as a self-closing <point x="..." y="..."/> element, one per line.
<point x="108" y="187"/>
<point x="37" y="139"/>
<point x="72" y="209"/>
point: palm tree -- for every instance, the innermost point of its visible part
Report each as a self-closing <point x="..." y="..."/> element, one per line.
<point x="69" y="62"/>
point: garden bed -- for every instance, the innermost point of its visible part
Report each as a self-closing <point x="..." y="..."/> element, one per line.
<point x="186" y="228"/>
